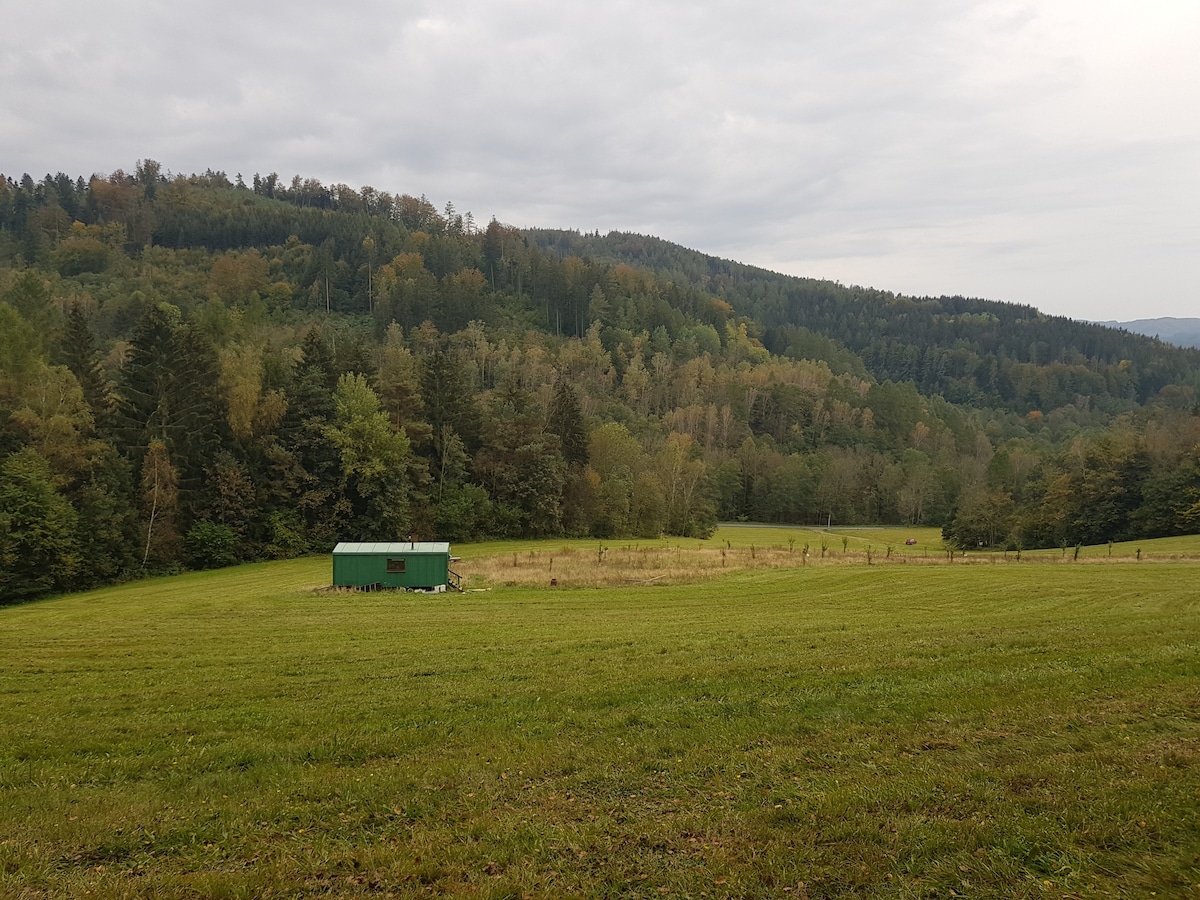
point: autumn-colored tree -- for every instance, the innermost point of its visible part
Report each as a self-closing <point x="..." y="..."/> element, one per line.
<point x="689" y="508"/>
<point x="237" y="276"/>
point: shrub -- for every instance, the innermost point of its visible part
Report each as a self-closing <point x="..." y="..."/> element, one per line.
<point x="211" y="546"/>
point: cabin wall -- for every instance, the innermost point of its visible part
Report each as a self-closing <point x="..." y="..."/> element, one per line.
<point x="421" y="570"/>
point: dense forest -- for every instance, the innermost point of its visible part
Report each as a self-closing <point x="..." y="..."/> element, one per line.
<point x="195" y="371"/>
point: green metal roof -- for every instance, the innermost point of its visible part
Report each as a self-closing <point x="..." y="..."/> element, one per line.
<point x="347" y="548"/>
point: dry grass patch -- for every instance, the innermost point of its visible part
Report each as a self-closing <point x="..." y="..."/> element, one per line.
<point x="632" y="565"/>
<point x="678" y="561"/>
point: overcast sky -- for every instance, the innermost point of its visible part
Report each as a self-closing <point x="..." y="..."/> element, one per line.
<point x="1045" y="152"/>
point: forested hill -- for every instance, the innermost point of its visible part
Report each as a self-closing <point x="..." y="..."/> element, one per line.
<point x="195" y="370"/>
<point x="971" y="351"/>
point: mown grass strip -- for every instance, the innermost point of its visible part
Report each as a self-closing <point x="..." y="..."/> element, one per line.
<point x="881" y="731"/>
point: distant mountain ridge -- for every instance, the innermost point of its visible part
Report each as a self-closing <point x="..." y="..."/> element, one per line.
<point x="1181" y="332"/>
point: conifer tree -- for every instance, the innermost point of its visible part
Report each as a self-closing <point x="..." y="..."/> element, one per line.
<point x="78" y="351"/>
<point x="566" y="421"/>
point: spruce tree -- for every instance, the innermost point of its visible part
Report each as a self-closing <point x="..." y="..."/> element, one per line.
<point x="566" y="420"/>
<point x="77" y="348"/>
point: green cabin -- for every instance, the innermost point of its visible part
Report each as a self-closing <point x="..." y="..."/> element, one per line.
<point x="409" y="565"/>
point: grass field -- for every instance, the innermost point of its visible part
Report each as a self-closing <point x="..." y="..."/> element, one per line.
<point x="736" y="548"/>
<point x="816" y="730"/>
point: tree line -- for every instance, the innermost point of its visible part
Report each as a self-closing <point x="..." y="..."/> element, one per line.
<point x="195" y="371"/>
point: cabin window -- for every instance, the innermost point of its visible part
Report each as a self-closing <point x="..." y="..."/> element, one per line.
<point x="395" y="566"/>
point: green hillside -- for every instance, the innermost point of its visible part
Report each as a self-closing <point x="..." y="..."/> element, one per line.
<point x="197" y="371"/>
<point x="972" y="351"/>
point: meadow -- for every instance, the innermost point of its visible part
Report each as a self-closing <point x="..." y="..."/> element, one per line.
<point x="772" y="727"/>
<point x="738" y="548"/>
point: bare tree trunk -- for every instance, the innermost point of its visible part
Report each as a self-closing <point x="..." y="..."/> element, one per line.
<point x="150" y="524"/>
